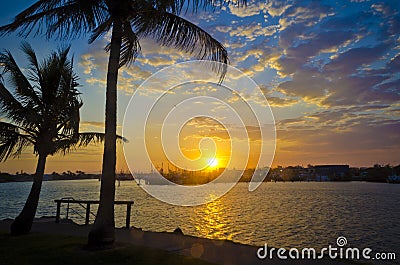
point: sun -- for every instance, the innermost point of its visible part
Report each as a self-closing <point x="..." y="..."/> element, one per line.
<point x="212" y="162"/>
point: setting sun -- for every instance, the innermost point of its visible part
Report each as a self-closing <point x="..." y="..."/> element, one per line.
<point x="212" y="162"/>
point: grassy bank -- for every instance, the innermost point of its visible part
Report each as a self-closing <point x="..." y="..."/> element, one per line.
<point x="45" y="249"/>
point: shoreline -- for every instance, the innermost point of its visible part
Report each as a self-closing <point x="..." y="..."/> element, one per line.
<point x="211" y="250"/>
<point x="269" y="181"/>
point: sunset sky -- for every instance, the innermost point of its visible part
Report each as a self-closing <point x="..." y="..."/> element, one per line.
<point x="329" y="69"/>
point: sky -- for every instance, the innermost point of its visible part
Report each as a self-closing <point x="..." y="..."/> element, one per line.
<point x="330" y="71"/>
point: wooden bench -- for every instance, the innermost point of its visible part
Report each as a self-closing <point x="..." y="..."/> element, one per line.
<point x="82" y="203"/>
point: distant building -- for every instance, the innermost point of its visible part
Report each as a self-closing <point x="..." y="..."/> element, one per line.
<point x="332" y="172"/>
<point x="294" y="173"/>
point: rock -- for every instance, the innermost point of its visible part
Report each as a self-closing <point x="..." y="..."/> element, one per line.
<point x="178" y="231"/>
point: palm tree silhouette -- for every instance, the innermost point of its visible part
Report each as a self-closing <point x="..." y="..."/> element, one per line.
<point x="129" y="21"/>
<point x="43" y="112"/>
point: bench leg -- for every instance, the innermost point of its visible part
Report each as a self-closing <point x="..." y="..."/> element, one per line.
<point x="87" y="213"/>
<point x="128" y="215"/>
<point x="58" y="212"/>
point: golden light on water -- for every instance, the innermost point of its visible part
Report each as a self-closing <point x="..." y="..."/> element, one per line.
<point x="212" y="222"/>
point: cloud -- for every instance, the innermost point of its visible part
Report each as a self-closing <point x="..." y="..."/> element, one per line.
<point x="98" y="124"/>
<point x="336" y="135"/>
<point x="249" y="31"/>
<point x="354" y="59"/>
<point x="87" y="64"/>
<point x="96" y="81"/>
<point x="277" y="8"/>
<point x="252" y="8"/>
<point x="307" y="83"/>
<point x="95" y="61"/>
<point x="323" y="42"/>
<point x="394" y="64"/>
<point x="381" y="8"/>
<point x="360" y="90"/>
<point x="281" y="102"/>
<point x="307" y="14"/>
<point x="357" y="146"/>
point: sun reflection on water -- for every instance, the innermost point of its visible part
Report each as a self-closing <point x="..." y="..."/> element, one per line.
<point x="211" y="220"/>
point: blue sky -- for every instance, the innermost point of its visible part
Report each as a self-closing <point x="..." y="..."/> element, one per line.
<point x="329" y="69"/>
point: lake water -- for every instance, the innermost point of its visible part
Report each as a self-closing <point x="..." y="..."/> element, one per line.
<point x="306" y="214"/>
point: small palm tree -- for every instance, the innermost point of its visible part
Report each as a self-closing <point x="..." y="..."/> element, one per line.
<point x="42" y="112"/>
<point x="129" y="21"/>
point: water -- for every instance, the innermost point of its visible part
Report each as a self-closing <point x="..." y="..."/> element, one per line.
<point x="307" y="214"/>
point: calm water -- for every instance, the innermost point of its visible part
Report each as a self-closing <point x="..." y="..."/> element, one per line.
<point x="280" y="214"/>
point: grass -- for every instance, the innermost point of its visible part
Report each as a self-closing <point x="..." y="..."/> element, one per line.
<point x="46" y="249"/>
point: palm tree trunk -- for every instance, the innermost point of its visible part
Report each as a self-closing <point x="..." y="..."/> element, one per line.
<point x="103" y="233"/>
<point x="23" y="223"/>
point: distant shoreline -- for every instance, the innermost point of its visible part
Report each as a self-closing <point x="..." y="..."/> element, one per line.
<point x="96" y="178"/>
<point x="317" y="173"/>
<point x="5" y="177"/>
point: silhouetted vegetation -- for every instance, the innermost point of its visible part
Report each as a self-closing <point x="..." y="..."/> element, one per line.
<point x="41" y="110"/>
<point x="377" y="173"/>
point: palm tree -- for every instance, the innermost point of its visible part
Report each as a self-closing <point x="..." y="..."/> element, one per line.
<point x="43" y="112"/>
<point x="129" y="21"/>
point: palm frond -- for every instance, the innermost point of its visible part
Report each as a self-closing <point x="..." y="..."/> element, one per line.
<point x="95" y="137"/>
<point x="90" y="137"/>
<point x="130" y="47"/>
<point x="69" y="119"/>
<point x="79" y="140"/>
<point x="173" y="31"/>
<point x="66" y="18"/>
<point x="22" y="86"/>
<point x="31" y="57"/>
<point x="56" y="76"/>
<point x="12" y="142"/>
<point x="177" y="6"/>
<point x="12" y="109"/>
<point x="100" y="30"/>
<point x="172" y="6"/>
